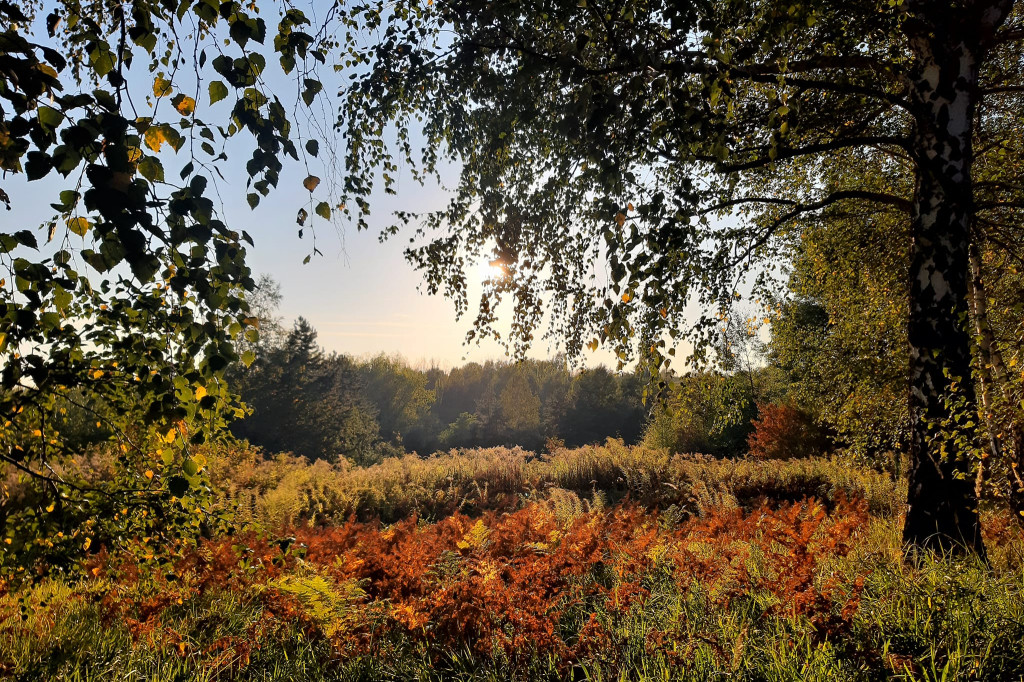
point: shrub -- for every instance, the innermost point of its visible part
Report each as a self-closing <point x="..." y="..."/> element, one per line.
<point x="784" y="432"/>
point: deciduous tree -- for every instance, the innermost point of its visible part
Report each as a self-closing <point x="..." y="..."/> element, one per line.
<point x="666" y="145"/>
<point x="129" y="300"/>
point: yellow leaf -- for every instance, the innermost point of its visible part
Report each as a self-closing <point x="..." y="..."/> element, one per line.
<point x="149" y="474"/>
<point x="37" y="433"/>
<point x="186" y="106"/>
<point x="78" y="225"/>
<point x="663" y="312"/>
<point x="161" y="86"/>
<point x="52" y="506"/>
<point x="97" y="374"/>
<point x="87" y="543"/>
<point x="155" y="137"/>
<point x="171" y="435"/>
<point x="200" y="393"/>
<point x="627" y="297"/>
<point x="311" y="182"/>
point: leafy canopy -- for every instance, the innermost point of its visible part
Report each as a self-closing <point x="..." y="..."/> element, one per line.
<point x="125" y="307"/>
<point x="605" y="148"/>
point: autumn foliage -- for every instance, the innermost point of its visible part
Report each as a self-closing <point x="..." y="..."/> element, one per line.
<point x="516" y="586"/>
<point x="605" y="562"/>
<point x="783" y="432"/>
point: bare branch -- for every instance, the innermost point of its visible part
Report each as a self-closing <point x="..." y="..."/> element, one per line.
<point x="747" y="200"/>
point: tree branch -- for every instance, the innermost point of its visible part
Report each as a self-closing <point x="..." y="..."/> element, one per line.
<point x="699" y="63"/>
<point x="835" y="197"/>
<point x="1003" y="90"/>
<point x="833" y="145"/>
<point x="747" y="200"/>
<point x="1008" y="36"/>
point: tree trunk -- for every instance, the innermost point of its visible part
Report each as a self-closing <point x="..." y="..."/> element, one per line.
<point x="947" y="39"/>
<point x="1016" y="467"/>
<point x="988" y="363"/>
<point x="1006" y="432"/>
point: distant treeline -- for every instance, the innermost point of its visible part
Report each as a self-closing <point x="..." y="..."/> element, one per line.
<point x="328" y="406"/>
<point x="322" y="405"/>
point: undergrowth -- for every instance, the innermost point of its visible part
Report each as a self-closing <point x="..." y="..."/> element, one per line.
<point x="599" y="563"/>
<point x="289" y="491"/>
<point x="786" y="592"/>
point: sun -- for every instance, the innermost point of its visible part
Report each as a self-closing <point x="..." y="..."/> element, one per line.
<point x="490" y="271"/>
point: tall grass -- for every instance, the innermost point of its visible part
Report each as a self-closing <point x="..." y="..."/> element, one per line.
<point x="597" y="563"/>
<point x="289" y="491"/>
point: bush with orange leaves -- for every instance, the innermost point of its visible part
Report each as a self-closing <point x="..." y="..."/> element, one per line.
<point x="785" y="432"/>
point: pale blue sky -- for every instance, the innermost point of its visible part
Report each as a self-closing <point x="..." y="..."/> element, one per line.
<point x="360" y="295"/>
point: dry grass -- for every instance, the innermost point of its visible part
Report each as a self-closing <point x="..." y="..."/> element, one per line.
<point x="289" y="491"/>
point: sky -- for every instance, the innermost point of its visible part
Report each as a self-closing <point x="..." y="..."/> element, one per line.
<point x="361" y="295"/>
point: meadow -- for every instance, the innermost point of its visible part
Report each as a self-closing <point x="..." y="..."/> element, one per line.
<point x="596" y="563"/>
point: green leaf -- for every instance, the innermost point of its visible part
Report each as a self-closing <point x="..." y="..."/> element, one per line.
<point x="62" y="298"/>
<point x="49" y="117"/>
<point x="151" y="169"/>
<point x="27" y="238"/>
<point x="218" y="91"/>
<point x="312" y="147"/>
<point x="190" y="467"/>
<point x="69" y="199"/>
<point x="311" y="89"/>
<point x="37" y="165"/>
<point x="102" y="59"/>
<point x="323" y="210"/>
